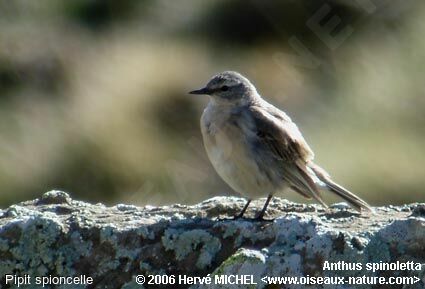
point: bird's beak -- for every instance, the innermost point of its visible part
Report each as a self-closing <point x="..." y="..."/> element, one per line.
<point x="200" y="91"/>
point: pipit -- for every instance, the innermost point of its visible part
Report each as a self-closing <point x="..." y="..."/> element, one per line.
<point x="257" y="149"/>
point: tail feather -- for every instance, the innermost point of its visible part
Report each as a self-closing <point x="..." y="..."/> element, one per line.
<point x="342" y="192"/>
<point x="302" y="183"/>
<point x="310" y="185"/>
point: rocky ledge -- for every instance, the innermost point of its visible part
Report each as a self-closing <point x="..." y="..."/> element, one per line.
<point x="111" y="247"/>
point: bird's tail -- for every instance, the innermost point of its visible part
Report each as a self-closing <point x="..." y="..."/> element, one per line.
<point x="342" y="192"/>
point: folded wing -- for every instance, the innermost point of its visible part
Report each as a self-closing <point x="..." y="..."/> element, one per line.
<point x="276" y="131"/>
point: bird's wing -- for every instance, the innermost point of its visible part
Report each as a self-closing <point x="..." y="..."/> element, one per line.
<point x="281" y="136"/>
<point x="277" y="130"/>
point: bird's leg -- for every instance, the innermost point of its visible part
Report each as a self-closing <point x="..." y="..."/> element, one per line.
<point x="260" y="216"/>
<point x="240" y="215"/>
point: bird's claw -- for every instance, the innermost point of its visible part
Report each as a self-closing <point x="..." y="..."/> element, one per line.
<point x="237" y="217"/>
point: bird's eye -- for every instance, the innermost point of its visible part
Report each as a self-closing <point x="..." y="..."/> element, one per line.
<point x="224" y="88"/>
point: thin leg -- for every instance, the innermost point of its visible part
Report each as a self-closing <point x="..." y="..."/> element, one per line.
<point x="240" y="215"/>
<point x="260" y="216"/>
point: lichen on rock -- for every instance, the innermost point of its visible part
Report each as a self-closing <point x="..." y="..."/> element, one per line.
<point x="56" y="235"/>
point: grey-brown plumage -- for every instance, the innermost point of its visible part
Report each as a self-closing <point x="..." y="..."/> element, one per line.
<point x="256" y="148"/>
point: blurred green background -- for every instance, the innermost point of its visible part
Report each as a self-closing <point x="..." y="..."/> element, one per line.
<point x="93" y="94"/>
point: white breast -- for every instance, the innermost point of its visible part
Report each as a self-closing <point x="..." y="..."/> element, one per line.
<point x="230" y="156"/>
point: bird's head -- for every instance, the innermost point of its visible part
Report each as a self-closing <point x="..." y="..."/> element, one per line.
<point x="229" y="87"/>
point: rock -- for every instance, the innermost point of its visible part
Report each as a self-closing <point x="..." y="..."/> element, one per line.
<point x="55" y="236"/>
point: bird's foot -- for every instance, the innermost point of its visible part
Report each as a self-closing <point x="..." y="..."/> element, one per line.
<point x="260" y="218"/>
<point x="237" y="217"/>
<point x="234" y="218"/>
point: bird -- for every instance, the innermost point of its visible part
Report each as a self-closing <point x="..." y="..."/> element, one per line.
<point x="257" y="149"/>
